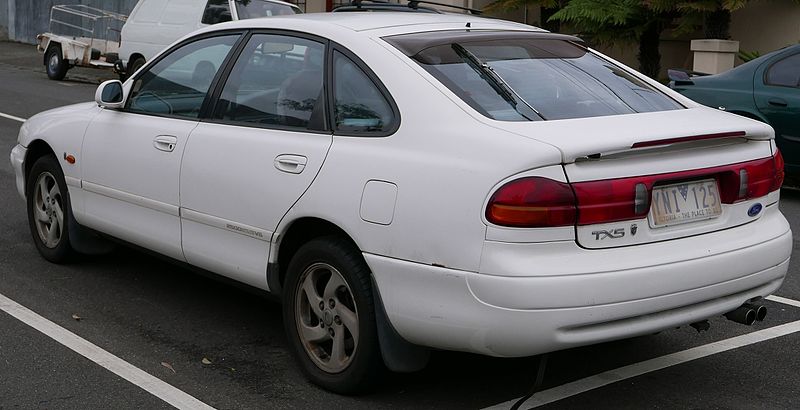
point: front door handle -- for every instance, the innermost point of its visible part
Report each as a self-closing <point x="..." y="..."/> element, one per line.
<point x="165" y="143"/>
<point x="293" y="164"/>
<point x="778" y="102"/>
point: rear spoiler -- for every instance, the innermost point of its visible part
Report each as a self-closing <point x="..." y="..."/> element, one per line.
<point x="681" y="76"/>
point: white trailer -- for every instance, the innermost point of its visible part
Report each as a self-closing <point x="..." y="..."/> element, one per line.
<point x="80" y="35"/>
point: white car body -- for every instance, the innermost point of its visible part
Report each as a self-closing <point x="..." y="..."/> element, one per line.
<point x="155" y="24"/>
<point x="415" y="203"/>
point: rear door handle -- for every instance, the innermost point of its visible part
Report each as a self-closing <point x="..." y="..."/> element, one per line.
<point x="165" y="143"/>
<point x="293" y="164"/>
<point x="778" y="102"/>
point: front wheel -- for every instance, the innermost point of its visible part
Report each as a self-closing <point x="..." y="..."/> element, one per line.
<point x="48" y="210"/>
<point x="329" y="316"/>
<point x="55" y="65"/>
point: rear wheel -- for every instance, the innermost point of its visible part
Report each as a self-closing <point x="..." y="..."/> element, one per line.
<point x="134" y="65"/>
<point x="55" y="65"/>
<point x="329" y="316"/>
<point x="48" y="210"/>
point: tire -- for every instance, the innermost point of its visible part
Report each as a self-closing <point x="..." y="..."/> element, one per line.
<point x="134" y="65"/>
<point x="54" y="63"/>
<point x="49" y="210"/>
<point x="328" y="316"/>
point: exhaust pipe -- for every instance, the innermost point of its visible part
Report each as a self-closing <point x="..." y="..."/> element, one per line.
<point x="743" y="314"/>
<point x="761" y="310"/>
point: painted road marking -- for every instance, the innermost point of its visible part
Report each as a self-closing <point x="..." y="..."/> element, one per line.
<point x="637" y="369"/>
<point x="785" y="301"/>
<point x="11" y="117"/>
<point x="127" y="371"/>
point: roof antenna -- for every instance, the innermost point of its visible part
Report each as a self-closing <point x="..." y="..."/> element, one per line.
<point x="469" y="25"/>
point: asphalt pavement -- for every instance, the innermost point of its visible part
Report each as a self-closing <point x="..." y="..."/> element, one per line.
<point x="166" y="320"/>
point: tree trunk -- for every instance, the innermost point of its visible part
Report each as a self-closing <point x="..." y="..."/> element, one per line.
<point x="649" y="55"/>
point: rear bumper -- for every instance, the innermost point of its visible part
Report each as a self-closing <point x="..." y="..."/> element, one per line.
<point x="17" y="163"/>
<point x="572" y="299"/>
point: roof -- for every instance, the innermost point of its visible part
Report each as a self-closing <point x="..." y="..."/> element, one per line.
<point x="384" y="20"/>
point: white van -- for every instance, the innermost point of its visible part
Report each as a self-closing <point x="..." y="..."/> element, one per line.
<point x="155" y="24"/>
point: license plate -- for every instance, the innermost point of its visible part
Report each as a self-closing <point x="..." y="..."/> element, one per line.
<point x="681" y="203"/>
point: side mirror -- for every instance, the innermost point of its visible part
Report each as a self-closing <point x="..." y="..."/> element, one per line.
<point x="109" y="94"/>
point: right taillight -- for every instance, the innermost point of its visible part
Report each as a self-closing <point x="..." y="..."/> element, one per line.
<point x="532" y="202"/>
<point x="777" y="182"/>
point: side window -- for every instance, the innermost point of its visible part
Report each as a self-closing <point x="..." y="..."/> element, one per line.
<point x="785" y="73"/>
<point x="359" y="106"/>
<point x="277" y="82"/>
<point x="177" y="84"/>
<point x="216" y="11"/>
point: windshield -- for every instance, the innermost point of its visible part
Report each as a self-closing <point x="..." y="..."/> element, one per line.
<point x="507" y="78"/>
<point x="249" y="9"/>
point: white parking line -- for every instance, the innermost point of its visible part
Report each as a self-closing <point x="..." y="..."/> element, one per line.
<point x="785" y="301"/>
<point x="127" y="371"/>
<point x="11" y="117"/>
<point x="637" y="369"/>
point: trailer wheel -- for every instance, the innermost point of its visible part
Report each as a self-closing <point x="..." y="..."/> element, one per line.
<point x="54" y="63"/>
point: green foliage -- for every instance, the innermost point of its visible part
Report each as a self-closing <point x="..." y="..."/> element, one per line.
<point x="608" y="21"/>
<point x="642" y="21"/>
<point x="746" y="56"/>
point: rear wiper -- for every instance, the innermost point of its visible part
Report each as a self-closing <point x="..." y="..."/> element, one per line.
<point x="497" y="83"/>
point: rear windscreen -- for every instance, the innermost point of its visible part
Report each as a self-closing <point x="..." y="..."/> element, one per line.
<point x="525" y="79"/>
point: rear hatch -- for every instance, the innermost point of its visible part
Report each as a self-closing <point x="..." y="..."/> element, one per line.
<point x="657" y="176"/>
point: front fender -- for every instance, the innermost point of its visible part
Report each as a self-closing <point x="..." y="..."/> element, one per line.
<point x="62" y="130"/>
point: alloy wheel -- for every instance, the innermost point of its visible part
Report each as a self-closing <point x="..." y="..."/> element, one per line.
<point x="326" y="317"/>
<point x="48" y="210"/>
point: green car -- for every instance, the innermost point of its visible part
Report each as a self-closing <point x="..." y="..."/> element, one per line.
<point x="766" y="89"/>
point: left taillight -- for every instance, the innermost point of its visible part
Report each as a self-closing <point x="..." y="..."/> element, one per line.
<point x="532" y="202"/>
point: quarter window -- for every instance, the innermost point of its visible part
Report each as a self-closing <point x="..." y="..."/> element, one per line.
<point x="276" y="82"/>
<point x="359" y="106"/>
<point x="785" y="73"/>
<point x="177" y="84"/>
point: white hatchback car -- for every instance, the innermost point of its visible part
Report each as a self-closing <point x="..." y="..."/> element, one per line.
<point x="408" y="181"/>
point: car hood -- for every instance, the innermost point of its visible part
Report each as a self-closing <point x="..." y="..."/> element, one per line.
<point x="583" y="137"/>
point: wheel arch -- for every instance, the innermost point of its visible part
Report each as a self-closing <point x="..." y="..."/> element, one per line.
<point x="398" y="354"/>
<point x="36" y="149"/>
<point x="133" y="57"/>
<point x="297" y="233"/>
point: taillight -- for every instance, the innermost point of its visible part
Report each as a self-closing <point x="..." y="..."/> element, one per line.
<point x="777" y="182"/>
<point x="541" y="202"/>
<point x="532" y="202"/>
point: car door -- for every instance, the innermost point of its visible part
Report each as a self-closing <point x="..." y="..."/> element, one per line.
<point x="777" y="96"/>
<point x="132" y="156"/>
<point x="261" y="148"/>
